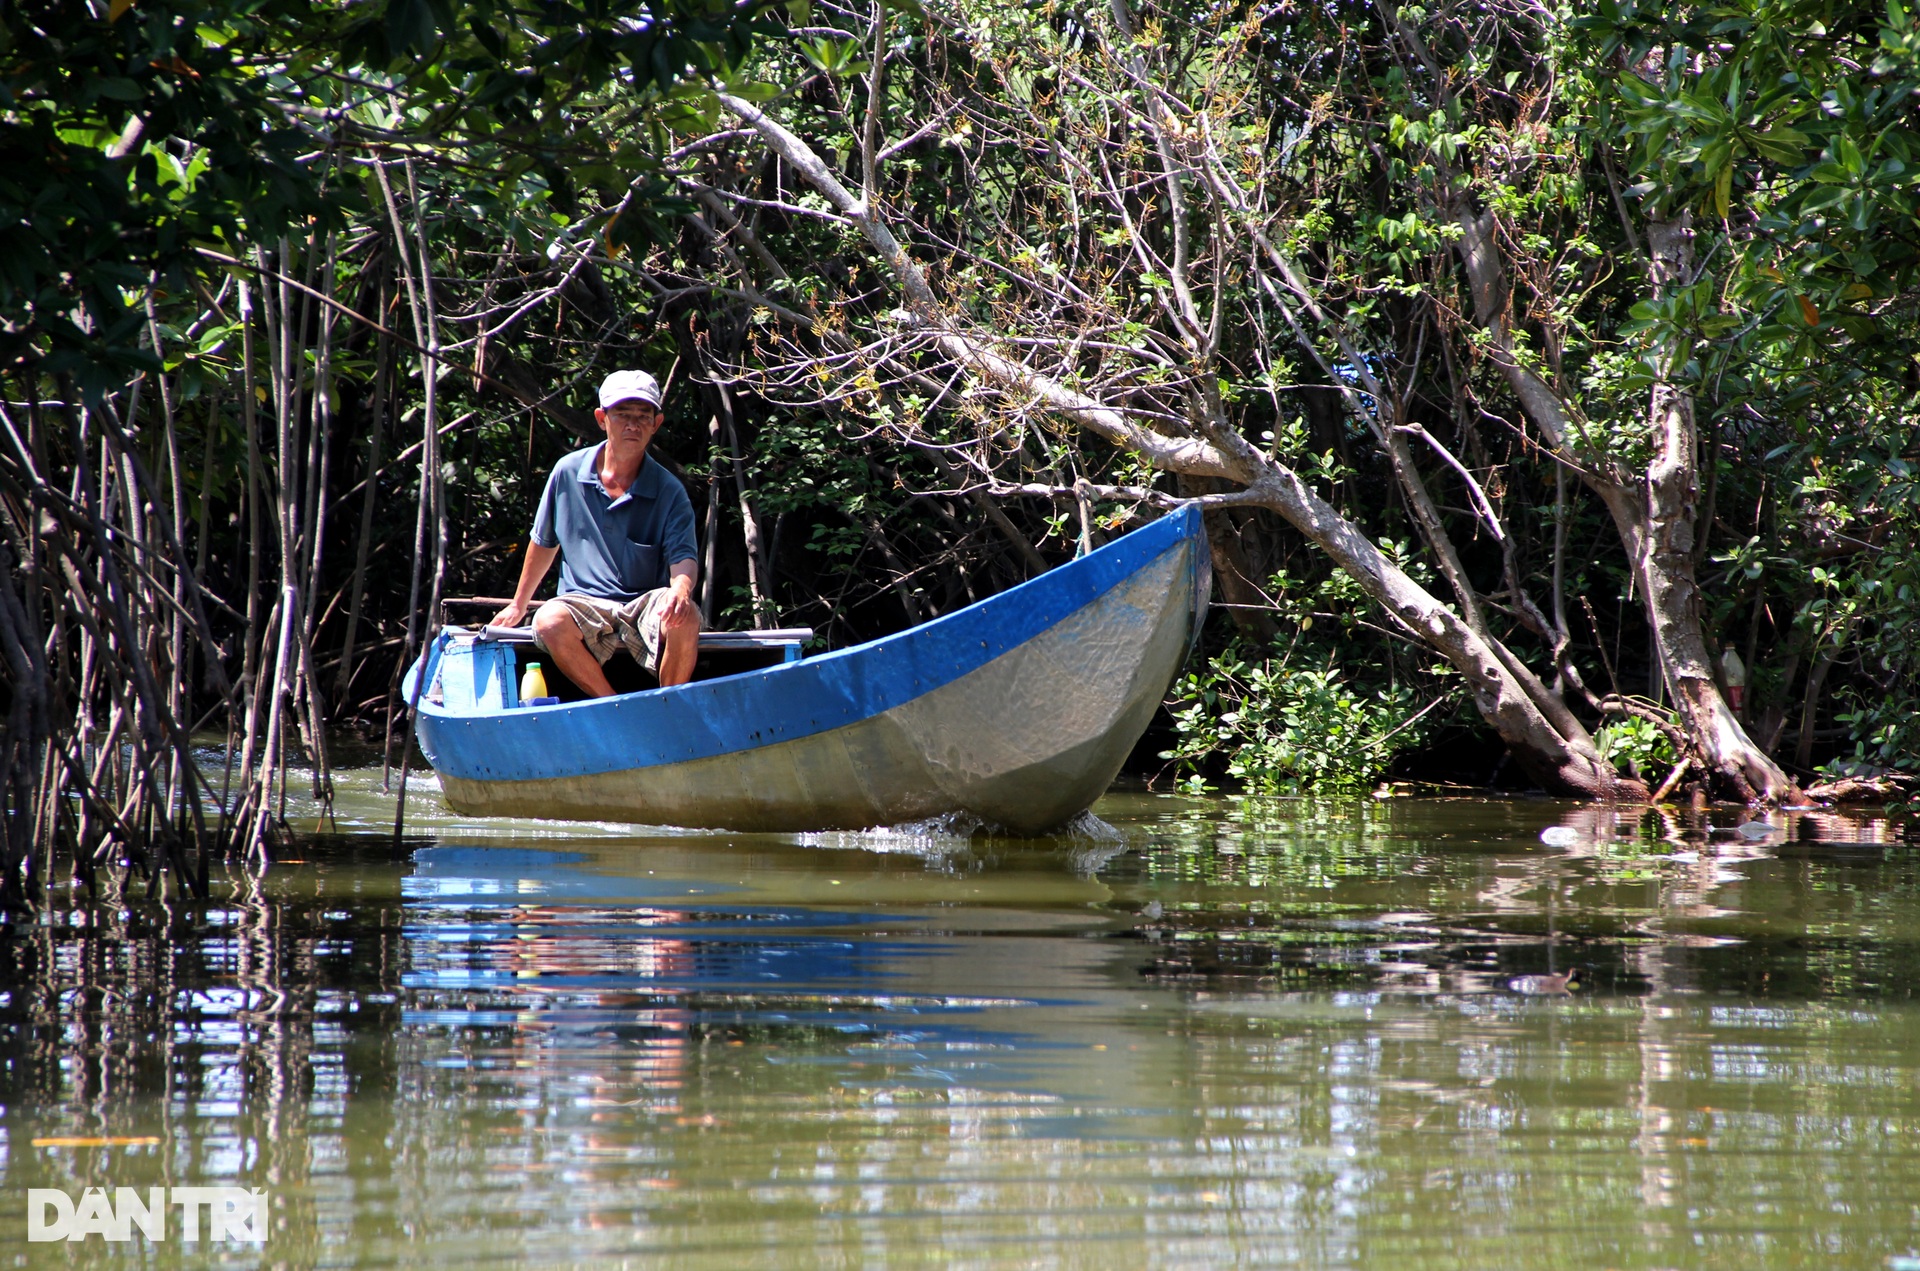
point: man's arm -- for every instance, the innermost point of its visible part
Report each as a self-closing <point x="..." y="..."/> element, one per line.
<point x="532" y="570"/>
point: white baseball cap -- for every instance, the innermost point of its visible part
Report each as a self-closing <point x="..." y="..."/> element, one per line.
<point x="623" y="386"/>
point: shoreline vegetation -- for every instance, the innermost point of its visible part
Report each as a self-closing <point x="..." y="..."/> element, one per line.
<point x="1549" y="381"/>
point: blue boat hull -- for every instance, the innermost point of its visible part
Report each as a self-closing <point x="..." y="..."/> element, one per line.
<point x="1019" y="710"/>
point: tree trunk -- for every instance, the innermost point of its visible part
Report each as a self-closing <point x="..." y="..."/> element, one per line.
<point x="759" y="565"/>
<point x="1656" y="519"/>
<point x="1245" y="605"/>
<point x="1658" y="543"/>
<point x="1810" y="708"/>
<point x="1654" y="511"/>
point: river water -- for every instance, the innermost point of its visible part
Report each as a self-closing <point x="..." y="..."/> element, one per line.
<point x="1194" y="1033"/>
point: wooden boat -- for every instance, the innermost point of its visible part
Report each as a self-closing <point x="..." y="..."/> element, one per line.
<point x="1019" y="710"/>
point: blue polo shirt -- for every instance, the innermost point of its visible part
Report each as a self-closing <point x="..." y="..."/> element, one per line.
<point x="614" y="548"/>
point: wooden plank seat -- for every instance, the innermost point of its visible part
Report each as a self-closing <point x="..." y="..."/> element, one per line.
<point x="786" y="639"/>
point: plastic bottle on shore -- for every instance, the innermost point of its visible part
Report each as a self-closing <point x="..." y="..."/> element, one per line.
<point x="533" y="684"/>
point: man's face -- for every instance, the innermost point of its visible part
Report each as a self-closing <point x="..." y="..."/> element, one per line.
<point x="631" y="420"/>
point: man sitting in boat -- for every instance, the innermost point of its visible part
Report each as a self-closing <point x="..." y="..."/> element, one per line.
<point x="623" y="528"/>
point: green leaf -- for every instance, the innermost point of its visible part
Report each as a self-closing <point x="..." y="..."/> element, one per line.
<point x="1781" y="144"/>
<point x="1849" y="156"/>
<point x="1716" y="156"/>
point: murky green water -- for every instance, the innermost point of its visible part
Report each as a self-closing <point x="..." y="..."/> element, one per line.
<point x="1225" y="1035"/>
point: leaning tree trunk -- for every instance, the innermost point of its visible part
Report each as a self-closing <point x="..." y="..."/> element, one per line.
<point x="1562" y="760"/>
<point x="1566" y="763"/>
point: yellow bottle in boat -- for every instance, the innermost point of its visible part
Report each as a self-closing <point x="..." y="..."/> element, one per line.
<point x="532" y="683"/>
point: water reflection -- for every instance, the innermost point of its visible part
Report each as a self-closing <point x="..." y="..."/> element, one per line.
<point x="1227" y="1032"/>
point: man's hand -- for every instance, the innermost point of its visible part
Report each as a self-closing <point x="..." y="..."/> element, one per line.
<point x="532" y="570"/>
<point x="680" y="610"/>
<point x="680" y="625"/>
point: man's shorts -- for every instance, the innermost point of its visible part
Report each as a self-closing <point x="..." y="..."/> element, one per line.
<point x="609" y="626"/>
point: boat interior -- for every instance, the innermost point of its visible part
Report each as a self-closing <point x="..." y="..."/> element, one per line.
<point x="722" y="653"/>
